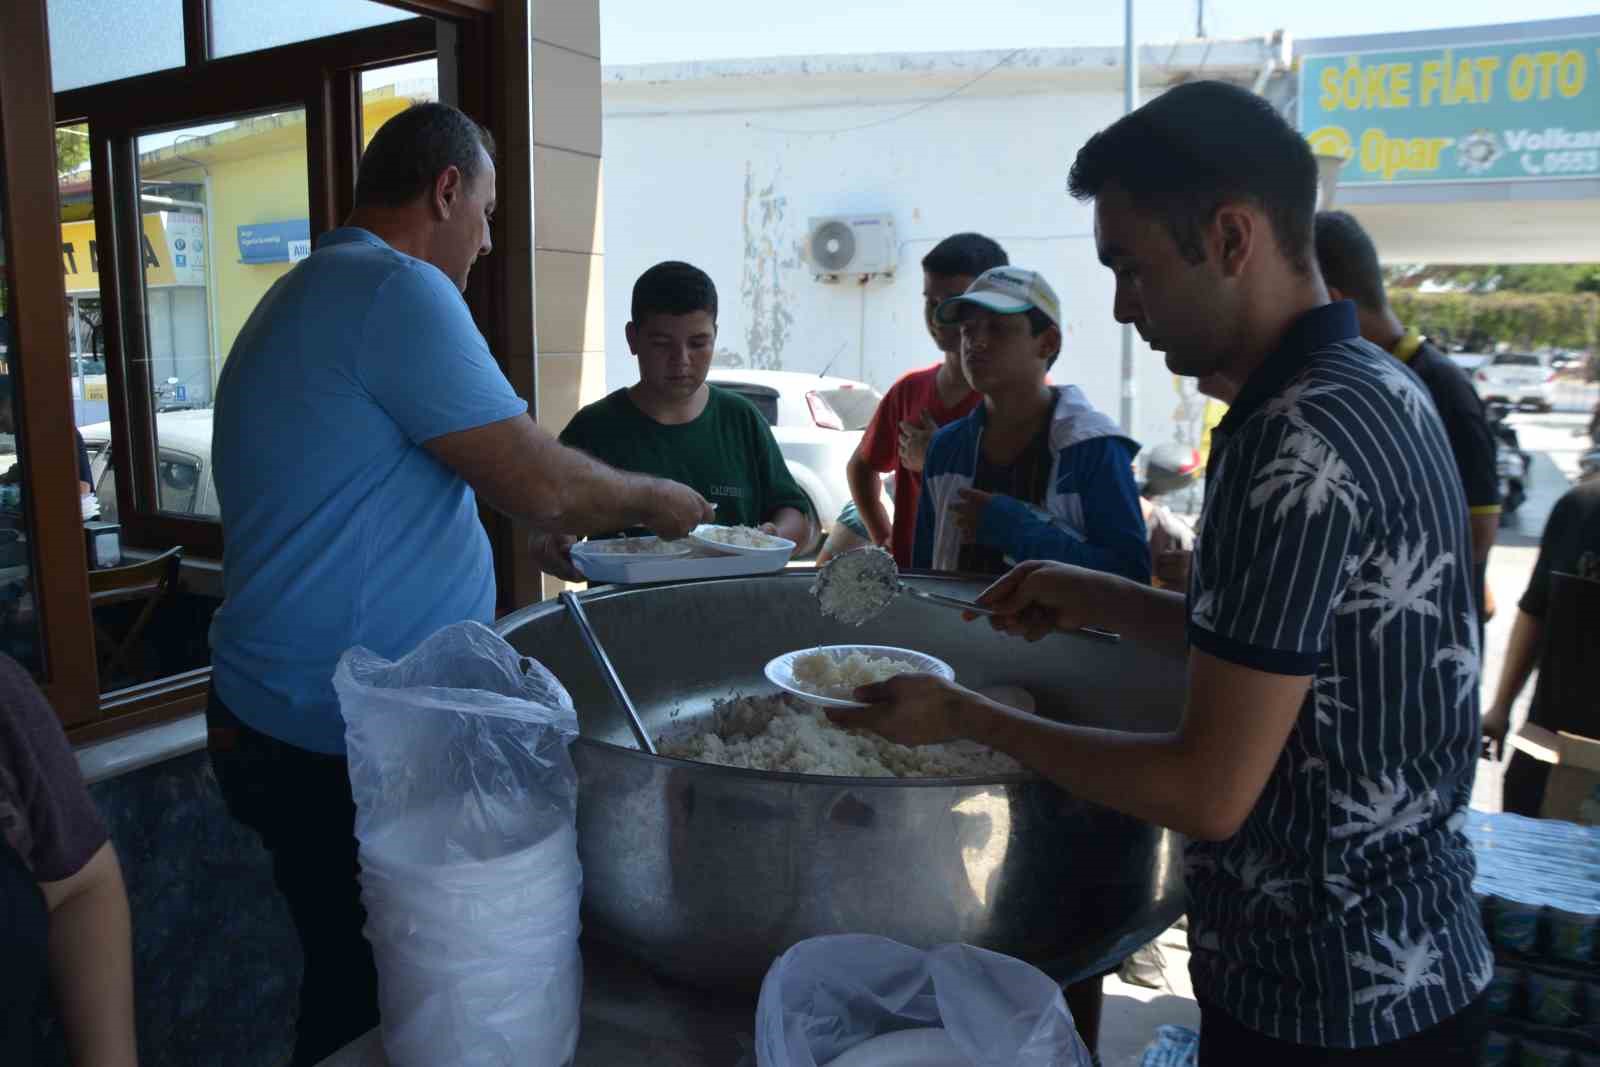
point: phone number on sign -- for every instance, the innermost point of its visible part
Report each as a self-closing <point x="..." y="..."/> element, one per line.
<point x="1572" y="162"/>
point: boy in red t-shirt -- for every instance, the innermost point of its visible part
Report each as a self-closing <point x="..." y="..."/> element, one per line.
<point x="921" y="401"/>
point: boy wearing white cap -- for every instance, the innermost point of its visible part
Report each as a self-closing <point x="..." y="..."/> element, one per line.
<point x="1036" y="472"/>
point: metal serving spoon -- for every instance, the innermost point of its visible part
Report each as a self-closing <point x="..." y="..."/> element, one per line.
<point x="859" y="585"/>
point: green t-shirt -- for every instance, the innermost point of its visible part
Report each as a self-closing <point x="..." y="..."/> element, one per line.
<point x="728" y="454"/>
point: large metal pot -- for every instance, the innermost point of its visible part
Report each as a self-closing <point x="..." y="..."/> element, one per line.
<point x="709" y="873"/>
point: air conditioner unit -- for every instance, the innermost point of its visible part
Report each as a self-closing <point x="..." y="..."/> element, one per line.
<point x="860" y="246"/>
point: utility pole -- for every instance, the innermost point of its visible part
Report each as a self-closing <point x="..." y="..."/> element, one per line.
<point x="1199" y="18"/>
<point x="1130" y="101"/>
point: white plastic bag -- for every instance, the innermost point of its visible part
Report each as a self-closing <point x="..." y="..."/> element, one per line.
<point x="829" y="994"/>
<point x="465" y="810"/>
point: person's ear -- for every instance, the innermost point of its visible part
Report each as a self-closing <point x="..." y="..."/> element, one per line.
<point x="1237" y="229"/>
<point x="448" y="189"/>
<point x="631" y="332"/>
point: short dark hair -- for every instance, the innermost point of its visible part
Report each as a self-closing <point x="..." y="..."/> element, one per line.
<point x="1349" y="259"/>
<point x="673" y="288"/>
<point x="409" y="151"/>
<point x="1185" y="153"/>
<point x="965" y="254"/>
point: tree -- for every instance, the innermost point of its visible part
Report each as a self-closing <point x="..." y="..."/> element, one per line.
<point x="72" y="149"/>
<point x="1500" y="278"/>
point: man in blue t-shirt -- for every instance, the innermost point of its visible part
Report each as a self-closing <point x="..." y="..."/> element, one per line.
<point x="360" y="418"/>
<point x="1324" y="759"/>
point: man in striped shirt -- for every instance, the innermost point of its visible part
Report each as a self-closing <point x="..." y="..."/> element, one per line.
<point x="1325" y="758"/>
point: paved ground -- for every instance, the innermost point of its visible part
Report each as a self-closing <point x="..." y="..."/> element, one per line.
<point x="1555" y="440"/>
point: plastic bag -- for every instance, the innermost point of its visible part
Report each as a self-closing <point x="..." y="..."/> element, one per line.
<point x="827" y="995"/>
<point x="466" y="804"/>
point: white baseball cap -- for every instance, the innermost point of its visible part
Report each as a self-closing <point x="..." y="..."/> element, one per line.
<point x="1005" y="291"/>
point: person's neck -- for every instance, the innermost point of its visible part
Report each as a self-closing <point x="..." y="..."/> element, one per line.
<point x="1382" y="328"/>
<point x="951" y="383"/>
<point x="1265" y="321"/>
<point x="399" y="228"/>
<point x="669" y="410"/>
<point x="1018" y="412"/>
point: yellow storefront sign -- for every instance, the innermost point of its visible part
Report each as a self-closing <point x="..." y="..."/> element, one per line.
<point x="80" y="256"/>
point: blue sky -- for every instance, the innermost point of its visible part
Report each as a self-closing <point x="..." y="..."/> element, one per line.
<point x="644" y="31"/>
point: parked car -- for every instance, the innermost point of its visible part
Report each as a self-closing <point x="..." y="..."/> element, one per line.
<point x="818" y="423"/>
<point x="183" y="471"/>
<point x="1521" y="379"/>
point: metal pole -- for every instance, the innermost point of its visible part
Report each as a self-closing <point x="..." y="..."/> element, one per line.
<point x="1130" y="101"/>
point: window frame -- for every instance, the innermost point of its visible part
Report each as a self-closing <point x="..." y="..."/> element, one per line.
<point x="473" y="40"/>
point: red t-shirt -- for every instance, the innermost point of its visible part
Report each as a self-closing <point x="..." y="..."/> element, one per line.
<point x="908" y="398"/>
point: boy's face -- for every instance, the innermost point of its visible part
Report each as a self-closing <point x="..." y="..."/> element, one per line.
<point x="936" y="289"/>
<point x="674" y="352"/>
<point x="1001" y="351"/>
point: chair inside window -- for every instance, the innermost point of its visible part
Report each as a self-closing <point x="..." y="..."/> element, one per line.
<point x="119" y="634"/>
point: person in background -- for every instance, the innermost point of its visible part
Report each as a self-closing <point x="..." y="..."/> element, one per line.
<point x="672" y="424"/>
<point x="63" y="909"/>
<point x="922" y="401"/>
<point x="360" y="419"/>
<point x="1323" y="761"/>
<point x="1035" y="472"/>
<point x="1571" y="545"/>
<point x="1349" y="263"/>
<point x="8" y="424"/>
<point x="1168" y="468"/>
<point x="848" y="531"/>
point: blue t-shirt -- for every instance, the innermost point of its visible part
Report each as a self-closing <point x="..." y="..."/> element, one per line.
<point x="340" y="529"/>
<point x="1334" y="545"/>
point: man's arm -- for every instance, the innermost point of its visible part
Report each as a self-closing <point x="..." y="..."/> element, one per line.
<point x="1522" y="655"/>
<point x="1202" y="779"/>
<point x="91" y="961"/>
<point x="519" y="469"/>
<point x="1039" y="597"/>
<point x="866" y="489"/>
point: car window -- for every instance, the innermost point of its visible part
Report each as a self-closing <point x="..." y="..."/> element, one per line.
<point x="1516" y="359"/>
<point x="177" y="480"/>
<point x="765" y="400"/>
<point x="854" y="406"/>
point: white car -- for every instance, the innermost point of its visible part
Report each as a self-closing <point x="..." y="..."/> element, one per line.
<point x="183" y="464"/>
<point x="1521" y="379"/>
<point x="817" y="421"/>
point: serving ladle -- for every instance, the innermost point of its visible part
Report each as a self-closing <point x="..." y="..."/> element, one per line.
<point x="859" y="585"/>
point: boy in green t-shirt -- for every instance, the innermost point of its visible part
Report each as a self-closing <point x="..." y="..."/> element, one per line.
<point x="672" y="424"/>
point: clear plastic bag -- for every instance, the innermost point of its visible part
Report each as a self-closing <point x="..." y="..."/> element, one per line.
<point x="466" y="811"/>
<point x="827" y="995"/>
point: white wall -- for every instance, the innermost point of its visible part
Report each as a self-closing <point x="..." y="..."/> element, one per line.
<point x="695" y="172"/>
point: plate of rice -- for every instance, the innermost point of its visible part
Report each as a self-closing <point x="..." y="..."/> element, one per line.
<point x="652" y="547"/>
<point x="829" y="675"/>
<point x="742" y="541"/>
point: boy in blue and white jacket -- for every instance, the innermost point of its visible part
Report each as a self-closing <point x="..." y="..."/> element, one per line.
<point x="1036" y="472"/>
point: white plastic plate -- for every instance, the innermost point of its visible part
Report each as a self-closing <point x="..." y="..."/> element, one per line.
<point x="929" y="1047"/>
<point x="774" y="548"/>
<point x="633" y="548"/>
<point x="780" y="671"/>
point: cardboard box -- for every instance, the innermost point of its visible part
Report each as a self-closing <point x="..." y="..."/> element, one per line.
<point x="1573" y="793"/>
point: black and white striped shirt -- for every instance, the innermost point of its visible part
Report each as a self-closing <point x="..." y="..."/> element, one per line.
<point x="1334" y="545"/>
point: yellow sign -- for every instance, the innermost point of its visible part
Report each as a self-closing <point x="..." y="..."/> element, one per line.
<point x="80" y="255"/>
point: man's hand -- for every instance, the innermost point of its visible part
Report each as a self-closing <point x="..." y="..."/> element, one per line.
<point x="1036" y="598"/>
<point x="968" y="512"/>
<point x="1496" y="724"/>
<point x="675" y="509"/>
<point x="553" y="554"/>
<point x="909" y="709"/>
<point x="914" y="438"/>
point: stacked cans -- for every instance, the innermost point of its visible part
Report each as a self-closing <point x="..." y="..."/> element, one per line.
<point x="1539" y="887"/>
